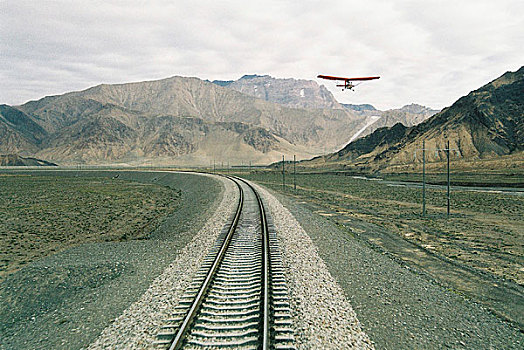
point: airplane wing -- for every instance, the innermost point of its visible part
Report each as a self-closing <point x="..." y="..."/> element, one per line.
<point x="329" y="77"/>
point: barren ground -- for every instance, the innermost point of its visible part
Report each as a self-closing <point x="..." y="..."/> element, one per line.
<point x="46" y="214"/>
<point x="478" y="251"/>
<point x="91" y="243"/>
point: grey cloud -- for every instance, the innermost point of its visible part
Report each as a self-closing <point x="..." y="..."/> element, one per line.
<point x="426" y="52"/>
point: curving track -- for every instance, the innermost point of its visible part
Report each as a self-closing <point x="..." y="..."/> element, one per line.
<point x="238" y="299"/>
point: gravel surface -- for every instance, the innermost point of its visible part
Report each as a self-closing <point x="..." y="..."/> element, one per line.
<point x="399" y="307"/>
<point x="138" y="325"/>
<point x="65" y="300"/>
<point x="117" y="294"/>
<point x="323" y="315"/>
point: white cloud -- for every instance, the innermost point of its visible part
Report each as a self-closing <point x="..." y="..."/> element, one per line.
<point x="429" y="52"/>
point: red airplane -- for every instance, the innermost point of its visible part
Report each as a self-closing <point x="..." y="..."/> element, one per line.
<point x="348" y="82"/>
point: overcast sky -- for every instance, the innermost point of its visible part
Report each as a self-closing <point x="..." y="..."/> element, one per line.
<point x="426" y="52"/>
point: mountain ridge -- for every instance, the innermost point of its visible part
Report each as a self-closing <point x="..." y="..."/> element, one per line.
<point x="178" y="119"/>
<point x="131" y="120"/>
<point x="16" y="160"/>
<point x="486" y="123"/>
<point x="289" y="92"/>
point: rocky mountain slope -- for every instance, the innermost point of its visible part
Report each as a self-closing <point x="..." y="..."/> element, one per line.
<point x="408" y="115"/>
<point x="174" y="120"/>
<point x="488" y="122"/>
<point x="294" y="93"/>
<point x="189" y="121"/>
<point x="308" y="94"/>
<point x="18" y="132"/>
<point x="16" y="160"/>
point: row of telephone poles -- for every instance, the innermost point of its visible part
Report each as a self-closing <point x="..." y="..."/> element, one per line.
<point x="448" y="192"/>
<point x="228" y="167"/>
<point x="423" y="149"/>
<point x="447" y="151"/>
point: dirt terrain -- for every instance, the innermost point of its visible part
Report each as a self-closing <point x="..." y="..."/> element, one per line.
<point x="405" y="293"/>
<point x="399" y="305"/>
<point x="478" y="251"/>
<point x="111" y="245"/>
<point x="45" y="214"/>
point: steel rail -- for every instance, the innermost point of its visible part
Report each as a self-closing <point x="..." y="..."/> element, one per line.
<point x="188" y="320"/>
<point x="265" y="270"/>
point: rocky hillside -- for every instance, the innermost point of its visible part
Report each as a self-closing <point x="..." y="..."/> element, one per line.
<point x="192" y="97"/>
<point x="308" y="94"/>
<point x="16" y="160"/>
<point x="292" y="93"/>
<point x="488" y="122"/>
<point x="409" y="115"/>
<point x="175" y="120"/>
<point x="378" y="141"/>
<point x="190" y="121"/>
<point x="18" y="132"/>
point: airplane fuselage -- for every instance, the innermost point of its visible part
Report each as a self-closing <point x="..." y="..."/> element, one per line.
<point x="347" y="85"/>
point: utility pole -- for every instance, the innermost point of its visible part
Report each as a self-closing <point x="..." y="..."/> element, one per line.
<point x="214" y="167"/>
<point x="295" y="172"/>
<point x="447" y="153"/>
<point x="423" y="177"/>
<point x="283" y="175"/>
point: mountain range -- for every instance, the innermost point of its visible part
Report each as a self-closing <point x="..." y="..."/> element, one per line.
<point x="486" y="123"/>
<point x="189" y="121"/>
<point x="297" y="93"/>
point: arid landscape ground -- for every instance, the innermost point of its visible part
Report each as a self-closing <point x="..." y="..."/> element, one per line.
<point x="481" y="244"/>
<point x="96" y="247"/>
<point x="400" y="269"/>
<point x="46" y="214"/>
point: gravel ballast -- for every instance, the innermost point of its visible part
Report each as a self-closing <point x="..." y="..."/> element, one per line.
<point x="139" y="324"/>
<point x="399" y="307"/>
<point x="323" y="316"/>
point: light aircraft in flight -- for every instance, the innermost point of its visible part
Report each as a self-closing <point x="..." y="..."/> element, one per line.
<point x="348" y="82"/>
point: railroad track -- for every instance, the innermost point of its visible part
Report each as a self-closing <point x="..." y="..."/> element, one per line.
<point x="238" y="298"/>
